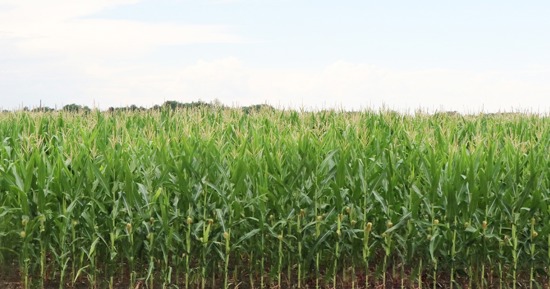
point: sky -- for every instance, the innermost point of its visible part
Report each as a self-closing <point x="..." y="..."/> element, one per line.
<point x="431" y="55"/>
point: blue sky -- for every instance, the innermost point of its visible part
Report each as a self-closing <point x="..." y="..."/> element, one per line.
<point x="407" y="55"/>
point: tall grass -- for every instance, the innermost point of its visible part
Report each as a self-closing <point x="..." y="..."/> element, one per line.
<point x="209" y="198"/>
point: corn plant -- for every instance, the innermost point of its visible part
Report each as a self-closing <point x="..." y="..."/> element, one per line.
<point x="208" y="197"/>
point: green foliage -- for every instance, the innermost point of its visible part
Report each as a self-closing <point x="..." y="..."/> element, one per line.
<point x="213" y="197"/>
<point x="76" y="108"/>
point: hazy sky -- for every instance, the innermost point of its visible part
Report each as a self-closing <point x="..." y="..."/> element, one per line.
<point x="445" y="55"/>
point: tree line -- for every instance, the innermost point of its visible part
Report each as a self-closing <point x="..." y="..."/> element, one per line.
<point x="170" y="105"/>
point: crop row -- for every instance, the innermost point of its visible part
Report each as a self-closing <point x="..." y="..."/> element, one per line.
<point x="218" y="198"/>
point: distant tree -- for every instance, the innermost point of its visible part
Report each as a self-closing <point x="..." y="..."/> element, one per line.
<point x="76" y="108"/>
<point x="42" y="109"/>
<point x="196" y="104"/>
<point x="173" y="105"/>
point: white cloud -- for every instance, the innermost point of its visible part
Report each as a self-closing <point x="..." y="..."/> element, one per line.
<point x="57" y="27"/>
<point x="56" y="10"/>
<point x="341" y="84"/>
<point x="234" y="82"/>
<point x="51" y="50"/>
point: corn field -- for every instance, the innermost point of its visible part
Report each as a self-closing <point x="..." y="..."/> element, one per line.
<point x="219" y="198"/>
